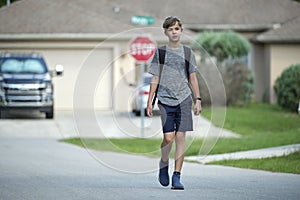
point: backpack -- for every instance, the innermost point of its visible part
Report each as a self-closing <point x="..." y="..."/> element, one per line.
<point x="162" y="55"/>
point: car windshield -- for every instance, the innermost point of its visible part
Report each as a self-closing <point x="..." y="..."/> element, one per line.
<point x="22" y="65"/>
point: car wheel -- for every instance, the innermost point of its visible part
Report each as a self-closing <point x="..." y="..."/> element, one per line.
<point x="137" y="113"/>
<point x="50" y="114"/>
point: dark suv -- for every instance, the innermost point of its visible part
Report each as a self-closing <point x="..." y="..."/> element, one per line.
<point x="26" y="83"/>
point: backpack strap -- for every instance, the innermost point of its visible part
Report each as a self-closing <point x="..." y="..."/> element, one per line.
<point x="187" y="56"/>
<point x="161" y="56"/>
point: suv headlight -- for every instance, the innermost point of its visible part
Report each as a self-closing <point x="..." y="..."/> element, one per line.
<point x="48" y="89"/>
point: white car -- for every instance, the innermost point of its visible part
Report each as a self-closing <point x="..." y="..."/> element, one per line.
<point x="141" y="96"/>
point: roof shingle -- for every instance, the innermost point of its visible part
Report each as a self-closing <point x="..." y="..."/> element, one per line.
<point x="98" y="16"/>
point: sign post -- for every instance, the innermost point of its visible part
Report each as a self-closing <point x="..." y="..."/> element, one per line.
<point x="142" y="48"/>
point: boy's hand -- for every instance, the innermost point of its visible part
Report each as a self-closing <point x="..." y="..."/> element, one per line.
<point x="149" y="110"/>
<point x="197" y="108"/>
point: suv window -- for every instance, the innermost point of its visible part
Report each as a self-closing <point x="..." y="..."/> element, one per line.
<point x="22" y="65"/>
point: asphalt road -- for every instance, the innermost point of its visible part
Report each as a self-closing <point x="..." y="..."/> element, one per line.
<point x="43" y="168"/>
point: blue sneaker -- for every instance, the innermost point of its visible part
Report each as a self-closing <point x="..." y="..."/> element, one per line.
<point x="176" y="185"/>
<point x="163" y="176"/>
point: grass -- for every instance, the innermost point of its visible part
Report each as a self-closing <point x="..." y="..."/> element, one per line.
<point x="261" y="126"/>
<point x="258" y="119"/>
<point x="287" y="164"/>
<point x="149" y="147"/>
<point x="256" y="141"/>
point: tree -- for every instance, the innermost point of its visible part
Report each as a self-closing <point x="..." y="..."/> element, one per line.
<point x="222" y="45"/>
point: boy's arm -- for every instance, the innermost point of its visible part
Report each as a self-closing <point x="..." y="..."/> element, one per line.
<point x="153" y="86"/>
<point x="195" y="88"/>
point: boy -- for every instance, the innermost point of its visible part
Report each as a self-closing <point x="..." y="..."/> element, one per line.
<point x="174" y="99"/>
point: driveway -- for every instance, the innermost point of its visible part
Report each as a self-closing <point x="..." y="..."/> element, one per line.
<point x="34" y="165"/>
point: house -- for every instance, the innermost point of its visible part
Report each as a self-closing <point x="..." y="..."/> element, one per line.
<point x="275" y="50"/>
<point x="90" y="39"/>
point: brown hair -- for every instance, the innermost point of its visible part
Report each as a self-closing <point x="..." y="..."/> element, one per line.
<point x="171" y="21"/>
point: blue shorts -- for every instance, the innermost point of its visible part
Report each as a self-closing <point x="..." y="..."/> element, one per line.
<point x="177" y="118"/>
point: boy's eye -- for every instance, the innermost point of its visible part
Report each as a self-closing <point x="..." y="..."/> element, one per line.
<point x="176" y="29"/>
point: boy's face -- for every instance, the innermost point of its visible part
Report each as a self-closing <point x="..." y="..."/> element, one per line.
<point x="174" y="32"/>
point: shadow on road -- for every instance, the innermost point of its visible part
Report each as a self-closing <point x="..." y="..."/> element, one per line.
<point x="22" y="115"/>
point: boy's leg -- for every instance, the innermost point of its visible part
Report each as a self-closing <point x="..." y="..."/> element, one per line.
<point x="166" y="146"/>
<point x="180" y="149"/>
<point x="179" y="157"/>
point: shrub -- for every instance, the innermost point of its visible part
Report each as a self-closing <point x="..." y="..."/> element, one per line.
<point x="238" y="81"/>
<point x="222" y="45"/>
<point x="228" y="48"/>
<point x="287" y="88"/>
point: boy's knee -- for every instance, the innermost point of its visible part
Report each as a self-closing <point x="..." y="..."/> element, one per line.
<point x="168" y="139"/>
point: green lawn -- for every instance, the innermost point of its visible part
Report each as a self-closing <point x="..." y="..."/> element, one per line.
<point x="287" y="164"/>
<point x="251" y="142"/>
<point x="258" y="119"/>
<point x="149" y="147"/>
<point x="261" y="126"/>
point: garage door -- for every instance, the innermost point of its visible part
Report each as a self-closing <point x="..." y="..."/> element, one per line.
<point x="97" y="63"/>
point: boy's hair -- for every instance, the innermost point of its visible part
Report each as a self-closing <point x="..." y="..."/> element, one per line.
<point x="171" y="21"/>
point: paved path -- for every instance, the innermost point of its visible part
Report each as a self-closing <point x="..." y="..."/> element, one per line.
<point x="42" y="168"/>
<point x="100" y="124"/>
<point x="34" y="165"/>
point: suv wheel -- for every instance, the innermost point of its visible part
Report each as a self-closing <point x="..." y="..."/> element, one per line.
<point x="50" y="114"/>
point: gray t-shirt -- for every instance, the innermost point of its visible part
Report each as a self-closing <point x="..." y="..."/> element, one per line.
<point x="173" y="85"/>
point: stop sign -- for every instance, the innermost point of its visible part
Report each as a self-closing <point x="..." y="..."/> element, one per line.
<point x="142" y="48"/>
